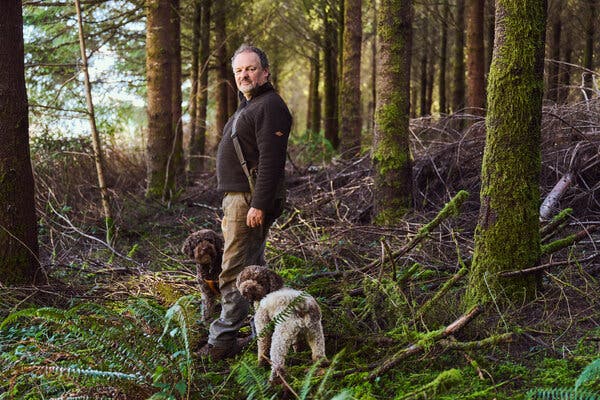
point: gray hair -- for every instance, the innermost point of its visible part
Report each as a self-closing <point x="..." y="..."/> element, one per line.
<point x="264" y="61"/>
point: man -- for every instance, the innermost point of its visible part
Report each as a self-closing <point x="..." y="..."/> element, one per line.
<point x="251" y="203"/>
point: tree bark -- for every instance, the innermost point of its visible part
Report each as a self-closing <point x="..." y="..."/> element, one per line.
<point x="176" y="165"/>
<point x="443" y="58"/>
<point x="554" y="50"/>
<point x="507" y="235"/>
<point x="392" y="164"/>
<point x="423" y="69"/>
<point x="198" y="140"/>
<point x="458" y="92"/>
<point x="331" y="81"/>
<point x="315" y="98"/>
<point x="195" y="51"/>
<point x="159" y="66"/>
<point x="491" y="22"/>
<point x="588" y="52"/>
<point x="222" y="67"/>
<point x="350" y="98"/>
<point x="565" y="70"/>
<point x="96" y="144"/>
<point x="18" y="224"/>
<point x="475" y="57"/>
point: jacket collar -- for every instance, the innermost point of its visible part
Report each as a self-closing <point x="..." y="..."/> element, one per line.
<point x="265" y="87"/>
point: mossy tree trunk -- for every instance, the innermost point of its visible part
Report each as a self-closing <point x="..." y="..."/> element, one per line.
<point x="198" y="140"/>
<point x="350" y="98"/>
<point x="18" y="225"/>
<point x="392" y="165"/>
<point x="159" y="66"/>
<point x="490" y="19"/>
<point x="507" y="234"/>
<point x="330" y="78"/>
<point x="458" y="90"/>
<point x="475" y="57"/>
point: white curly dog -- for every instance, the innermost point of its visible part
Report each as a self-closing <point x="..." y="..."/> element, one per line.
<point x="297" y="314"/>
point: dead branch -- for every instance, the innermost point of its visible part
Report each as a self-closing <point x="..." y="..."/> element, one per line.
<point x="549" y="203"/>
<point x="567" y="241"/>
<point x="450" y="208"/>
<point x="544" y="267"/>
<point x="477" y="344"/>
<point x="415" y="348"/>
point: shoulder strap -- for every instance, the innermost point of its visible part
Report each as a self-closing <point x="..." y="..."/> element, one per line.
<point x="238" y="149"/>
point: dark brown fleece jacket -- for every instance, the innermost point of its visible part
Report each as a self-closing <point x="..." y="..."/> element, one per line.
<point x="263" y="129"/>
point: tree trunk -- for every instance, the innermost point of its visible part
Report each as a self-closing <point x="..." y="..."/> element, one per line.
<point x="176" y="165"/>
<point x="565" y="71"/>
<point x="423" y="69"/>
<point x="198" y="143"/>
<point x="350" y="98"/>
<point x="430" y="72"/>
<point x="316" y="100"/>
<point x="311" y="93"/>
<point x="159" y="65"/>
<point x="373" y="72"/>
<point x="458" y="92"/>
<point x="475" y="57"/>
<point x="392" y="164"/>
<point x="588" y="52"/>
<point x="443" y="58"/>
<point x="554" y="50"/>
<point x="330" y="82"/>
<point x="507" y="235"/>
<point x="491" y="21"/>
<point x="18" y="224"/>
<point x="222" y="67"/>
<point x="98" y="156"/>
<point x="196" y="27"/>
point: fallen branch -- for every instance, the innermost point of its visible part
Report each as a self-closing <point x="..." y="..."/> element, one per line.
<point x="477" y="344"/>
<point x="549" y="228"/>
<point x="549" y="203"/>
<point x="560" y="244"/>
<point x="543" y="267"/>
<point x="451" y="208"/>
<point x="381" y="368"/>
<point x="429" y="303"/>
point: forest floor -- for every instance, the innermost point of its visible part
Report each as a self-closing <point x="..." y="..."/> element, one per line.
<point x="123" y="322"/>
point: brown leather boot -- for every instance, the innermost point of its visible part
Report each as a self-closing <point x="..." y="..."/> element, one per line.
<point x="214" y="353"/>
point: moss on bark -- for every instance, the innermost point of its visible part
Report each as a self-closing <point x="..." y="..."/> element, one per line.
<point x="507" y="236"/>
<point x="392" y="163"/>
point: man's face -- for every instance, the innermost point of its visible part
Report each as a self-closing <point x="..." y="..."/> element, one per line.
<point x="248" y="72"/>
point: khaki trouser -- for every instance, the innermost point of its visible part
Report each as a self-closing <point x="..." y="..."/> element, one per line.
<point x="243" y="246"/>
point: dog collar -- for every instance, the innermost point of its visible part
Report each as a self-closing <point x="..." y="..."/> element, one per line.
<point x="213" y="285"/>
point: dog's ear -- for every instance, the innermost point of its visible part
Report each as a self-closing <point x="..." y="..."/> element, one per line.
<point x="189" y="245"/>
<point x="251" y="290"/>
<point x="275" y="281"/>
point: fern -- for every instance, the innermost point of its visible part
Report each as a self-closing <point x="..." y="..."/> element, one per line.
<point x="253" y="382"/>
<point x="561" y="394"/>
<point x="283" y="315"/>
<point x="119" y="343"/>
<point x="589" y="374"/>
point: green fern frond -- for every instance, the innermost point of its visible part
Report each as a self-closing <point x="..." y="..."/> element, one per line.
<point x="92" y="373"/>
<point x="283" y="315"/>
<point x="328" y="373"/>
<point x="589" y="374"/>
<point x="253" y="382"/>
<point x="49" y="314"/>
<point x="561" y="394"/>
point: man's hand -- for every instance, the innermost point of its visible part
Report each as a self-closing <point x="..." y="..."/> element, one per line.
<point x="255" y="217"/>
